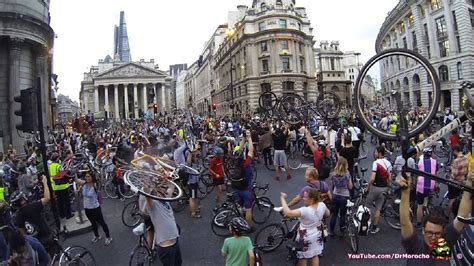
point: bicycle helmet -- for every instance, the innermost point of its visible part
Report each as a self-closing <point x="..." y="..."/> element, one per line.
<point x="239" y="225"/>
<point x="322" y="143"/>
<point x="427" y="150"/>
<point x="2" y="173"/>
<point x="237" y="151"/>
<point x="16" y="197"/>
<point x="218" y="151"/>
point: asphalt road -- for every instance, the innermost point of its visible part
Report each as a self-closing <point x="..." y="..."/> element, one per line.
<point x="199" y="246"/>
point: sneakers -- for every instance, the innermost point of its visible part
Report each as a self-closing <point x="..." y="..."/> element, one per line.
<point x="96" y="238"/>
<point x="108" y="241"/>
<point x="374" y="230"/>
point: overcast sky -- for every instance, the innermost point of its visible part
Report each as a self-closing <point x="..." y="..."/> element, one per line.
<point x="174" y="31"/>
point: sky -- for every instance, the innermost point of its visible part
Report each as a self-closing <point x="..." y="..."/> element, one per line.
<point x="174" y="31"/>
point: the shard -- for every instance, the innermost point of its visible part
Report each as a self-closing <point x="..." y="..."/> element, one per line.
<point x="121" y="45"/>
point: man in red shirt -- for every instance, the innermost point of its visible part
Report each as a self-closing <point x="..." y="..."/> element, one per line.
<point x="454" y="138"/>
<point x="216" y="167"/>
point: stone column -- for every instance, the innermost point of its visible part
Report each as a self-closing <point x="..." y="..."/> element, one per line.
<point x="116" y="101"/>
<point x="85" y="94"/>
<point x="144" y="98"/>
<point x="42" y="72"/>
<point x="135" y="101"/>
<point x="156" y="93"/>
<point x="96" y="99"/>
<point x="13" y="90"/>
<point x="163" y="97"/>
<point x="125" y="95"/>
<point x="106" y="102"/>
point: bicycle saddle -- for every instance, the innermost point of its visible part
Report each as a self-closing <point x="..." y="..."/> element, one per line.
<point x="349" y="204"/>
<point x="363" y="170"/>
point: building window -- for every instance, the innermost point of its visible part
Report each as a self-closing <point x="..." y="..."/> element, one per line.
<point x="261" y="26"/>
<point x="333" y="64"/>
<point x="471" y="13"/>
<point x="305" y="90"/>
<point x="402" y="27"/>
<point x="443" y="73"/>
<point x="285" y="63"/>
<point x="282" y="23"/>
<point x="265" y="65"/>
<point x="300" y="45"/>
<point x="299" y="26"/>
<point x="405" y="45"/>
<point x="428" y="51"/>
<point x="279" y="3"/>
<point x="422" y="11"/>
<point x="435" y="5"/>
<point x="414" y="41"/>
<point x="284" y="45"/>
<point x="263" y="47"/>
<point x="459" y="69"/>
<point x="411" y="20"/>
<point x="441" y="27"/>
<point x="267" y="99"/>
<point x="263" y="7"/>
<point x="458" y="41"/>
<point x="455" y="21"/>
<point x="444" y="48"/>
<point x="425" y="27"/>
<point x="288" y="85"/>
<point x="302" y="68"/>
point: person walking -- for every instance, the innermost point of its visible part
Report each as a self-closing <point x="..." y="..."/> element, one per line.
<point x="92" y="207"/>
<point x="237" y="248"/>
<point x="342" y="183"/>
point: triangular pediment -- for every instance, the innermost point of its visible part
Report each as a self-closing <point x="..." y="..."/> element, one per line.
<point x="132" y="70"/>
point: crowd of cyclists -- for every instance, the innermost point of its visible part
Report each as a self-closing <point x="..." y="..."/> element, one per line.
<point x="229" y="147"/>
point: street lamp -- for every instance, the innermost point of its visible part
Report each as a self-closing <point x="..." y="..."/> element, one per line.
<point x="357" y="56"/>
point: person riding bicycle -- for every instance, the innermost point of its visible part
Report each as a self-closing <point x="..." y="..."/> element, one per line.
<point x="237" y="248"/>
<point x="425" y="185"/>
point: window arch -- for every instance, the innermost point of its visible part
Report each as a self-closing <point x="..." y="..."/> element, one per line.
<point x="405" y="83"/>
<point x="263" y="6"/>
<point x="459" y="69"/>
<point x="443" y="73"/>
<point x="416" y="79"/>
<point x="397" y="85"/>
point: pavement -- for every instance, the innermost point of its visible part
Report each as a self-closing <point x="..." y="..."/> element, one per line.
<point x="199" y="246"/>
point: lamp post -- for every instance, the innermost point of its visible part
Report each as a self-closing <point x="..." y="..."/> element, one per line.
<point x="357" y="56"/>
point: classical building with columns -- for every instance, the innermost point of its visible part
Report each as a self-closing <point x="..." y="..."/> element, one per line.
<point x="26" y="42"/>
<point x="124" y="90"/>
<point x="440" y="30"/>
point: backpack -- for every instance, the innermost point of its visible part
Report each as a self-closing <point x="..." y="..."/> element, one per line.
<point x="237" y="179"/>
<point x="324" y="167"/>
<point x="60" y="178"/>
<point x="324" y="195"/>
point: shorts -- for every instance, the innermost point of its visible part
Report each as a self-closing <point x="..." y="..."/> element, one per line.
<point x="193" y="190"/>
<point x="217" y="181"/>
<point x="420" y="198"/>
<point x="245" y="196"/>
<point x="376" y="197"/>
<point x="279" y="158"/>
<point x="453" y="192"/>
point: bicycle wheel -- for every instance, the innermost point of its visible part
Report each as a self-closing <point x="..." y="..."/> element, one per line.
<point x="131" y="216"/>
<point x="267" y="100"/>
<point x="294" y="160"/>
<point x="110" y="189"/>
<point x="270" y="237"/>
<point x="292" y="108"/>
<point x="220" y="222"/>
<point x="161" y="188"/>
<point x="179" y="205"/>
<point x="140" y="256"/>
<point x="392" y="216"/>
<point x="363" y="149"/>
<point x="353" y="237"/>
<point x="76" y="255"/>
<point x="328" y="105"/>
<point x="397" y="96"/>
<point x="205" y="185"/>
<point x="262" y="208"/>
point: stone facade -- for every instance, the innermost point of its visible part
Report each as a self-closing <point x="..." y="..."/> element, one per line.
<point x="267" y="47"/>
<point x="26" y="40"/>
<point x="67" y="109"/>
<point x="440" y="30"/>
<point x="124" y="90"/>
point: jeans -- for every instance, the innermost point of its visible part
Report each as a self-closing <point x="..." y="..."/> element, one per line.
<point x="338" y="209"/>
<point x="170" y="256"/>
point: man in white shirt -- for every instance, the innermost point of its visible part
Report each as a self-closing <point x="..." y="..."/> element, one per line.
<point x="355" y="131"/>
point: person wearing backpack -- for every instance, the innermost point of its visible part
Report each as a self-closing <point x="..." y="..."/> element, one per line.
<point x="321" y="156"/>
<point x="242" y="179"/>
<point x="341" y="183"/>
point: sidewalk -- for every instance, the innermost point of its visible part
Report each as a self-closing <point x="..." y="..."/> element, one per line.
<point x="74" y="226"/>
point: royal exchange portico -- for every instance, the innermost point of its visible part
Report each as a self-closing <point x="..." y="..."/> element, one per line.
<point x="125" y="90"/>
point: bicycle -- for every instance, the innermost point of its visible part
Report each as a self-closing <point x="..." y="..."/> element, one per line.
<point x="271" y="236"/>
<point x="294" y="109"/>
<point x="131" y="215"/>
<point x="351" y="234"/>
<point x="72" y="255"/>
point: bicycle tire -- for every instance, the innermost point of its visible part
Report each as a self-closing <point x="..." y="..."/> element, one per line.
<point x="179" y="205"/>
<point x="262" y="208"/>
<point x="137" y="179"/>
<point x="205" y="185"/>
<point x="363" y="149"/>
<point x="392" y="216"/>
<point x="273" y="101"/>
<point x="291" y="109"/>
<point x="126" y="191"/>
<point x="110" y="190"/>
<point x="76" y="255"/>
<point x="220" y="222"/>
<point x="140" y="256"/>
<point x="328" y="105"/>
<point x="59" y="130"/>
<point x="294" y="162"/>
<point x="131" y="216"/>
<point x="432" y="74"/>
<point x="274" y="239"/>
<point x="352" y="234"/>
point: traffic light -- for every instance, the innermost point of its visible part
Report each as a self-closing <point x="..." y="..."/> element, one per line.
<point x="214" y="106"/>
<point x="28" y="111"/>
<point x="155" y="108"/>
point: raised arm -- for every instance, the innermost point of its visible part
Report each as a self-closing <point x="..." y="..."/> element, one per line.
<point x="405" y="222"/>
<point x="249" y="140"/>
<point x="465" y="207"/>
<point x="310" y="140"/>
<point x="46" y="193"/>
<point x="286" y="210"/>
